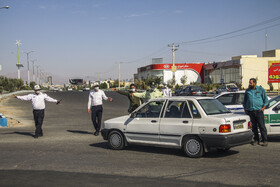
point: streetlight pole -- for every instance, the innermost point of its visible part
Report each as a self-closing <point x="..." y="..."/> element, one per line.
<point x="119" y="75"/>
<point x="33" y="77"/>
<point x="18" y="64"/>
<point x="173" y="59"/>
<point x="28" y="76"/>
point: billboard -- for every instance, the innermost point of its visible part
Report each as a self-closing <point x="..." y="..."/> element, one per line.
<point x="274" y="71"/>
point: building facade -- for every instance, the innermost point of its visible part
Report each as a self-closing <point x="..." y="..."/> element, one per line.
<point x="193" y="72"/>
<point x="241" y="68"/>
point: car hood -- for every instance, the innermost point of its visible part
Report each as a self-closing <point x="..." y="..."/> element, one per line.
<point x="118" y="121"/>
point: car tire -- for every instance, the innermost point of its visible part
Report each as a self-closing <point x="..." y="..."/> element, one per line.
<point x="116" y="140"/>
<point x="193" y="147"/>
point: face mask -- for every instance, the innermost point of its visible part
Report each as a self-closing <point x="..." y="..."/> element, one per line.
<point x="96" y="88"/>
<point x="132" y="90"/>
<point x="37" y="92"/>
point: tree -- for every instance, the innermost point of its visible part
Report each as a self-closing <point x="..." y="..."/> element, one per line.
<point x="172" y="82"/>
<point x="184" y="79"/>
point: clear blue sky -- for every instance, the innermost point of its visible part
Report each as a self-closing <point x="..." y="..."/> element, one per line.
<point x="80" y="38"/>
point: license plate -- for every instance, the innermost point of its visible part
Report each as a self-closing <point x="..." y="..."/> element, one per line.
<point x="238" y="126"/>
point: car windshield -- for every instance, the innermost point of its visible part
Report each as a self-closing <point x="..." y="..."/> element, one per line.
<point x="273" y="101"/>
<point x="213" y="106"/>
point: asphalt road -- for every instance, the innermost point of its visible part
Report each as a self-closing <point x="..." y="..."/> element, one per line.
<point x="70" y="155"/>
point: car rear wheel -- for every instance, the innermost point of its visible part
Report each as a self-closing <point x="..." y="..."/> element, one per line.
<point x="193" y="147"/>
<point x="116" y="140"/>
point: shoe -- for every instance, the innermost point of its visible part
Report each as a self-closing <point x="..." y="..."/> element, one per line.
<point x="265" y="144"/>
<point x="255" y="142"/>
<point x="36" y="136"/>
<point x="96" y="133"/>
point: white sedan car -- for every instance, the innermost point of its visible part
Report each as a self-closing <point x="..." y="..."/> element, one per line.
<point x="194" y="124"/>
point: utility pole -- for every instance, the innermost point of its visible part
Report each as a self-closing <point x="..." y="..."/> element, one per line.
<point x="37" y="74"/>
<point x="119" y="75"/>
<point x="174" y="68"/>
<point x="18" y="64"/>
<point x="98" y="80"/>
<point x="28" y="76"/>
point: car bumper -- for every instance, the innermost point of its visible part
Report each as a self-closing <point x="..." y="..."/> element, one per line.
<point x="227" y="141"/>
<point x="105" y="133"/>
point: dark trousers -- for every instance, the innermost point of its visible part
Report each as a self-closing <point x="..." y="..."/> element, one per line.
<point x="96" y="116"/>
<point x="257" y="119"/>
<point x="38" y="118"/>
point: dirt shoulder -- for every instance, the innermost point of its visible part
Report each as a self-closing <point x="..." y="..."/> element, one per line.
<point x="13" y="114"/>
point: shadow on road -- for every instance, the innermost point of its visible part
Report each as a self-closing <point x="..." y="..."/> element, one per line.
<point x="273" y="139"/>
<point x="24" y="133"/>
<point x="213" y="153"/>
<point x="80" y="132"/>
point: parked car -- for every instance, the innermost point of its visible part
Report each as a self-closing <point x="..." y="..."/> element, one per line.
<point x="231" y="87"/>
<point x="193" y="124"/>
<point x="86" y="89"/>
<point x="179" y="90"/>
<point x="192" y="91"/>
<point x="233" y="100"/>
<point x="69" y="89"/>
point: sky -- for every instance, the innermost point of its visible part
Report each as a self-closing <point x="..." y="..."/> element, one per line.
<point x="86" y="38"/>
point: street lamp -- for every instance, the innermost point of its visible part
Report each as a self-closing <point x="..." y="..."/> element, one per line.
<point x="6" y="7"/>
<point x="18" y="64"/>
<point x="33" y="62"/>
<point x="28" y="77"/>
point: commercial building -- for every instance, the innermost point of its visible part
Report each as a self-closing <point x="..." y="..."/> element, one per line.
<point x="241" y="68"/>
<point x="193" y="71"/>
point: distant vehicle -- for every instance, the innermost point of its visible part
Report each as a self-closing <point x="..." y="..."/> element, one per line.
<point x="193" y="124"/>
<point x="179" y="90"/>
<point x="86" y="89"/>
<point x="192" y="91"/>
<point x="69" y="89"/>
<point x="231" y="87"/>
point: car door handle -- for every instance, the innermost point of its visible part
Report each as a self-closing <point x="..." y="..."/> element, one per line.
<point x="154" y="121"/>
<point x="185" y="121"/>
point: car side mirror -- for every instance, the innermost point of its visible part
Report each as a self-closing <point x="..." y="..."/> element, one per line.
<point x="276" y="108"/>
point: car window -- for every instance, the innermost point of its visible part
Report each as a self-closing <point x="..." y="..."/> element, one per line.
<point x="213" y="106"/>
<point x="177" y="109"/>
<point x="194" y="110"/>
<point x="240" y="99"/>
<point x="150" y="110"/>
<point x="227" y="99"/>
<point x="273" y="101"/>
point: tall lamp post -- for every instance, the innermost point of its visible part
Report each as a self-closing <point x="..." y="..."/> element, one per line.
<point x="18" y="64"/>
<point x="28" y="76"/>
<point x="33" y="77"/>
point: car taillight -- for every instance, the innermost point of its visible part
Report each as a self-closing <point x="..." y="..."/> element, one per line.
<point x="249" y="125"/>
<point x="224" y="128"/>
<point x="204" y="92"/>
<point x="193" y="92"/>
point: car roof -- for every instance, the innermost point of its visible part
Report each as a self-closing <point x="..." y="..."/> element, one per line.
<point x="181" y="98"/>
<point x="223" y="93"/>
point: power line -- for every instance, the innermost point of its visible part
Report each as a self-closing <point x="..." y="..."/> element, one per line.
<point x="232" y="32"/>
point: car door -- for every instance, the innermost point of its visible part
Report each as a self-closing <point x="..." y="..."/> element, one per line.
<point x="143" y="126"/>
<point x="175" y="122"/>
<point x="272" y="119"/>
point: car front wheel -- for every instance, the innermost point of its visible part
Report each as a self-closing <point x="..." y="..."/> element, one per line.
<point x="193" y="147"/>
<point x="116" y="140"/>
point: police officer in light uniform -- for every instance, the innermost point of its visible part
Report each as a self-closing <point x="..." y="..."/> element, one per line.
<point x="167" y="92"/>
<point x="95" y="106"/>
<point x="38" y="104"/>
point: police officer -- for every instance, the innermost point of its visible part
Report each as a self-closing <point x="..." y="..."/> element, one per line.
<point x="95" y="106"/>
<point x="38" y="104"/>
<point x="166" y="91"/>
<point x="149" y="94"/>
<point x="255" y="101"/>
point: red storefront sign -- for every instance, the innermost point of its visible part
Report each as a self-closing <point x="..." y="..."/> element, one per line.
<point x="197" y="67"/>
<point x="274" y="71"/>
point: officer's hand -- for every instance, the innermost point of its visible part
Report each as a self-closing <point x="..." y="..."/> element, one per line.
<point x="88" y="111"/>
<point x="14" y="95"/>
<point x="262" y="109"/>
<point x="132" y="95"/>
<point x="110" y="99"/>
<point x="58" y="102"/>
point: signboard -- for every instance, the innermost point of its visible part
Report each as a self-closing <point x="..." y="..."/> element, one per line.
<point x="274" y="71"/>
